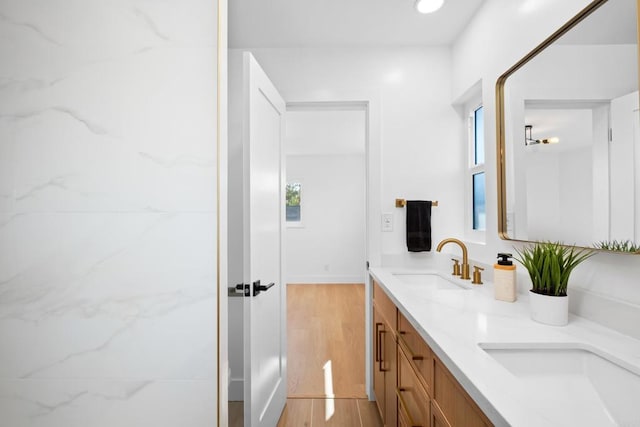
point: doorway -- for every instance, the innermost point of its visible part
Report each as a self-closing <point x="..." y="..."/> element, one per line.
<point x="325" y="240"/>
<point x="369" y="106"/>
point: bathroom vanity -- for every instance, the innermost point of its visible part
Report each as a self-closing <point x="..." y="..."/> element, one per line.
<point x="446" y="353"/>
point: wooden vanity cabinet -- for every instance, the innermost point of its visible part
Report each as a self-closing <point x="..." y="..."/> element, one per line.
<point x="453" y="403"/>
<point x="418" y="353"/>
<point x="385" y="369"/>
<point x="414" y="404"/>
<point x="412" y="386"/>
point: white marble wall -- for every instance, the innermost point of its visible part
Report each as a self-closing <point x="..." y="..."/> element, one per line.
<point x="107" y="213"/>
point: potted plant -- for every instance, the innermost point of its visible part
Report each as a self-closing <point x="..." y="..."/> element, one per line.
<point x="549" y="265"/>
<point x="618" y="246"/>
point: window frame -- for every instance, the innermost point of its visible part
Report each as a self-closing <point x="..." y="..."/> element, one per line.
<point x="299" y="223"/>
<point x="472" y="168"/>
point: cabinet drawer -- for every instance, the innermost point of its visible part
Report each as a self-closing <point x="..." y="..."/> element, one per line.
<point x="417" y="351"/>
<point x="437" y="418"/>
<point x="456" y="405"/>
<point x="386" y="307"/>
<point x="413" y="402"/>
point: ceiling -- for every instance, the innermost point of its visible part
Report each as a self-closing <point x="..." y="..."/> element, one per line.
<point x="344" y="23"/>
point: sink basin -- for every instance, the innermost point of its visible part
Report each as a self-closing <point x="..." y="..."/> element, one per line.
<point x="585" y="386"/>
<point x="430" y="280"/>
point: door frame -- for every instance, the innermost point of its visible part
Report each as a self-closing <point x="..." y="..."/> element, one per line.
<point x="369" y="103"/>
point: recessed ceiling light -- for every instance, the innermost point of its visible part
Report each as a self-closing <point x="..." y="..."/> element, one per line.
<point x="428" y="6"/>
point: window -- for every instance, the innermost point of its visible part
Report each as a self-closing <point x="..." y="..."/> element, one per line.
<point x="476" y="169"/>
<point x="293" y="202"/>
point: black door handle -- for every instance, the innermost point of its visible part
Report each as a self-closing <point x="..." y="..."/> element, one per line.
<point x="257" y="287"/>
<point x="246" y="289"/>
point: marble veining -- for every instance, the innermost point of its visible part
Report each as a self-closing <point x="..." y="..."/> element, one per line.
<point x="107" y="213"/>
<point x="26" y="85"/>
<point x="150" y="24"/>
<point x="29" y="27"/>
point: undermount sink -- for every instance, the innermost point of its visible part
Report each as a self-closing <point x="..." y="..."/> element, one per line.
<point x="429" y="280"/>
<point x="585" y="386"/>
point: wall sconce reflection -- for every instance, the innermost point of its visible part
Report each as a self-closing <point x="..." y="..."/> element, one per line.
<point x="528" y="139"/>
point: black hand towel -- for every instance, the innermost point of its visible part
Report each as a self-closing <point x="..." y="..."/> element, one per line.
<point x="418" y="225"/>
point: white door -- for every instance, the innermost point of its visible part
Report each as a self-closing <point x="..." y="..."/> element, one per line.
<point x="265" y="344"/>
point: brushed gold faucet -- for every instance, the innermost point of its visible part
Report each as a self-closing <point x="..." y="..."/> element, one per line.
<point x="465" y="258"/>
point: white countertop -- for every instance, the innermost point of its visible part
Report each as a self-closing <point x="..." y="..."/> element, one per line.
<point x="454" y="322"/>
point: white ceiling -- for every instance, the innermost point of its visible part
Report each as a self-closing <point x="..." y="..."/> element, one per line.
<point x="344" y="23"/>
<point x="572" y="126"/>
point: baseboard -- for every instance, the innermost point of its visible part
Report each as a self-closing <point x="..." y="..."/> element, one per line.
<point x="326" y="279"/>
<point x="236" y="389"/>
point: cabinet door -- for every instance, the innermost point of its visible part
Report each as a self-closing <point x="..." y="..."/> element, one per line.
<point x="437" y="418"/>
<point x="413" y="401"/>
<point x="378" y="369"/>
<point x="456" y="405"/>
<point x="418" y="352"/>
<point x="390" y="364"/>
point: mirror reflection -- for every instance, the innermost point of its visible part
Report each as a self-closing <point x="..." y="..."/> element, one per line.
<point x="571" y="133"/>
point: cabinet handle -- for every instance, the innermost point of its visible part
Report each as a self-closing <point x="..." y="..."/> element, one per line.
<point x="380" y="366"/>
<point x="403" y="406"/>
<point x="378" y="324"/>
<point x="411" y="353"/>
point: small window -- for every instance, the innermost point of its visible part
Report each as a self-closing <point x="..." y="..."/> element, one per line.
<point x="293" y="202"/>
<point x="475" y="188"/>
<point x="479" y="212"/>
<point x="478" y="136"/>
<point x="477" y="170"/>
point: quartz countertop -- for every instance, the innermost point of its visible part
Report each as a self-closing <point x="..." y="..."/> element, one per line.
<point x="454" y="323"/>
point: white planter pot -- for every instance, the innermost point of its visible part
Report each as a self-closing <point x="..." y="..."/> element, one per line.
<point x="548" y="309"/>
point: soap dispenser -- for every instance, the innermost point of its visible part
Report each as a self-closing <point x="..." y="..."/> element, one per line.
<point x="504" y="278"/>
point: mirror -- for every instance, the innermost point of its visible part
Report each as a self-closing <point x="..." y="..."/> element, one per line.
<point x="569" y="134"/>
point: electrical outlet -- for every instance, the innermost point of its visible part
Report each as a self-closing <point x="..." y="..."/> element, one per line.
<point x="387" y="222"/>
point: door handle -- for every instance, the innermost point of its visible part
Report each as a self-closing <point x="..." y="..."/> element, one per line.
<point x="378" y="324"/>
<point x="257" y="287"/>
<point x="241" y="290"/>
<point x="381" y="361"/>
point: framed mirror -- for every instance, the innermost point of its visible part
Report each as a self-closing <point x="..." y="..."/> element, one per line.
<point x="569" y="134"/>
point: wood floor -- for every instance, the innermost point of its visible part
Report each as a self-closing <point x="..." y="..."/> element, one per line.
<point x="325" y="333"/>
<point x="326" y="351"/>
<point x="319" y="412"/>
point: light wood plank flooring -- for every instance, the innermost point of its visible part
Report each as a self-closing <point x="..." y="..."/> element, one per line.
<point x="325" y="327"/>
<point x="319" y="412"/>
<point x="325" y="323"/>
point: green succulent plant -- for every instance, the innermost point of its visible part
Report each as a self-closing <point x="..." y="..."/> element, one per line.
<point x="550" y="264"/>
<point x="618" y="246"/>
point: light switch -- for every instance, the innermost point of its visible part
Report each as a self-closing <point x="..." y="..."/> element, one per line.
<point x="387" y="222"/>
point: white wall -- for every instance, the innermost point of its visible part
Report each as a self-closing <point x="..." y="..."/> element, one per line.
<point x="420" y="131"/>
<point x="605" y="288"/>
<point x="329" y="247"/>
<point x="559" y="186"/>
<point x="560" y="196"/>
<point x="108" y="213"/>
